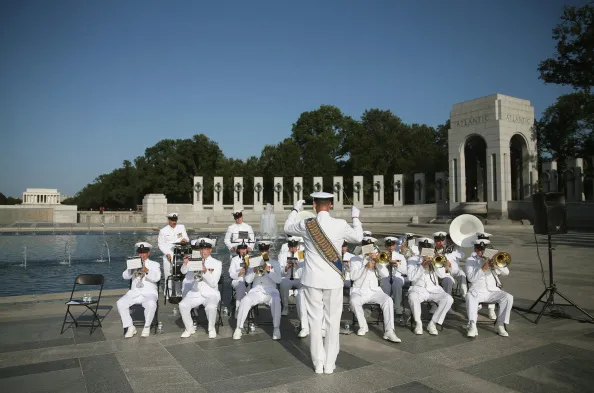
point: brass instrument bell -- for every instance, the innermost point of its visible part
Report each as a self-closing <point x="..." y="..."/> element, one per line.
<point x="265" y="256"/>
<point x="439" y="261"/>
<point x="261" y="270"/>
<point x="384" y="258"/>
<point x="502" y="259"/>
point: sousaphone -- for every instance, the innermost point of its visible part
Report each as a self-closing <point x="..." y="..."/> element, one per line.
<point x="464" y="229"/>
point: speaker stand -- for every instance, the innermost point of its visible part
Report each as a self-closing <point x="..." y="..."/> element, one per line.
<point x="550" y="293"/>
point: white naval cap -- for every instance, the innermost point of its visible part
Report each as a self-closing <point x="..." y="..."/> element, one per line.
<point x="368" y="240"/>
<point x="202" y="242"/>
<point x="237" y="211"/>
<point x="481" y="243"/>
<point x="408" y="234"/>
<point x="424" y="241"/>
<point x="173" y="216"/>
<point x="391" y="239"/>
<point x="322" y="195"/>
<point x="367" y="233"/>
<point x="142" y="247"/>
<point x="295" y="239"/>
<point x="440" y="234"/>
<point x="483" y="235"/>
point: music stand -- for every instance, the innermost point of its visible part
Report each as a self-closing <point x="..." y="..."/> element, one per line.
<point x="550" y="292"/>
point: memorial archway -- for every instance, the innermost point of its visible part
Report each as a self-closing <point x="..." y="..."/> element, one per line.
<point x="519" y="168"/>
<point x="475" y="168"/>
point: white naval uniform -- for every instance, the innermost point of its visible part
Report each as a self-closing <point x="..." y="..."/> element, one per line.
<point x="231" y="240"/>
<point x="398" y="279"/>
<point x="322" y="286"/>
<point x="238" y="282"/>
<point x="204" y="292"/>
<point x="147" y="295"/>
<point x="169" y="236"/>
<point x="458" y="276"/>
<point x="483" y="288"/>
<point x="425" y="287"/>
<point x="366" y="290"/>
<point x="263" y="291"/>
<point x="447" y="282"/>
<point x="287" y="284"/>
<point x="347" y="256"/>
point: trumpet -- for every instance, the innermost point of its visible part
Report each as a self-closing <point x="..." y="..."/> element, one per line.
<point x="265" y="256"/>
<point x="261" y="270"/>
<point x="383" y="258"/>
<point x="439" y="261"/>
<point x="246" y="262"/>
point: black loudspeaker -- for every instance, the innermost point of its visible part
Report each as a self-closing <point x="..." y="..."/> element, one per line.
<point x="550" y="213"/>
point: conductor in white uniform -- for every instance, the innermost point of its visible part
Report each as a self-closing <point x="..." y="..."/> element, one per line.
<point x="232" y="239"/>
<point x="169" y="236"/>
<point x="143" y="291"/>
<point x="322" y="277"/>
<point x="202" y="291"/>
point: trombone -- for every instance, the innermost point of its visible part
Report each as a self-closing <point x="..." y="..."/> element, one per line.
<point x="500" y="260"/>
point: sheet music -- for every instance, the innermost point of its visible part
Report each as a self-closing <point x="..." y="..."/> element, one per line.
<point x="195" y="264"/>
<point x="490" y="253"/>
<point x="256" y="261"/>
<point x="196" y="254"/>
<point x="134" y="263"/>
<point x="428" y="252"/>
<point x="410" y="243"/>
<point x="367" y="249"/>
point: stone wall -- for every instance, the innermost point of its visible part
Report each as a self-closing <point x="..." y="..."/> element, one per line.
<point x="62" y="214"/>
<point x="580" y="215"/>
<point x="95" y="218"/>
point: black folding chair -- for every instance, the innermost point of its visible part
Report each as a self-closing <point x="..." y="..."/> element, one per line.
<point x="219" y="321"/>
<point x="93" y="306"/>
<point x="138" y="310"/>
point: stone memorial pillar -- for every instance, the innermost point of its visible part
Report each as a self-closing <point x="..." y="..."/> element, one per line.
<point x="198" y="192"/>
<point x="398" y="190"/>
<point x="217" y="202"/>
<point x="297" y="189"/>
<point x="440" y="187"/>
<point x="419" y="184"/>
<point x="238" y="193"/>
<point x="574" y="179"/>
<point x="278" y="194"/>
<point x="318" y="184"/>
<point x="258" y="194"/>
<point x="358" y="192"/>
<point x="338" y="190"/>
<point x="550" y="179"/>
<point x="154" y="209"/>
<point x="378" y="190"/>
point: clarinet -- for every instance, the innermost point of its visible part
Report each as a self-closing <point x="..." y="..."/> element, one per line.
<point x="244" y="281"/>
<point x="292" y="267"/>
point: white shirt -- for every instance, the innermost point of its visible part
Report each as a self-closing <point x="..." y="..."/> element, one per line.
<point x="149" y="281"/>
<point x="347" y="256"/>
<point x="483" y="280"/>
<point x="365" y="280"/>
<point x="424" y="278"/>
<point x="210" y="280"/>
<point x="235" y="268"/>
<point x="317" y="273"/>
<point x="231" y="237"/>
<point x="399" y="269"/>
<point x="282" y="260"/>
<point x="269" y="280"/>
<point x="169" y="236"/>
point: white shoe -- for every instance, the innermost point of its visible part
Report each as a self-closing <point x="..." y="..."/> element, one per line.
<point x="320" y="369"/>
<point x="419" y="328"/>
<point x="237" y="334"/>
<point x="285" y="311"/>
<point x="130" y="332"/>
<point x="146" y="332"/>
<point x="328" y="371"/>
<point x="391" y="336"/>
<point x="362" y="331"/>
<point x="501" y="331"/>
<point x="472" y="330"/>
<point x="303" y="333"/>
<point x="212" y="333"/>
<point x="432" y="329"/>
<point x="275" y="335"/>
<point x="492" y="314"/>
<point x="187" y="333"/>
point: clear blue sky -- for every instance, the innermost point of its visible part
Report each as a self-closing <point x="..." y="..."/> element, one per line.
<point x="85" y="85"/>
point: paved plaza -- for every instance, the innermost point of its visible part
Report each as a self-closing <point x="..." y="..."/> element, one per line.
<point x="554" y="356"/>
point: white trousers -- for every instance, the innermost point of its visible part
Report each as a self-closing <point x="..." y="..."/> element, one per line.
<point x="358" y="299"/>
<point x="240" y="291"/>
<point x="194" y="300"/>
<point x="447" y="283"/>
<point x="260" y="295"/>
<point x="320" y="304"/>
<point x="396" y="289"/>
<point x="461" y="281"/>
<point x="504" y="299"/>
<point x="166" y="274"/>
<point x="285" y="286"/>
<point x="149" y="302"/>
<point x="417" y="295"/>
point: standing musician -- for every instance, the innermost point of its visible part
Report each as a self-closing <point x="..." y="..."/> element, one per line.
<point x="237" y="272"/>
<point x="322" y="279"/>
<point x="170" y="236"/>
<point x="232" y="236"/>
<point x="394" y="274"/>
<point x="143" y="291"/>
<point x="203" y="290"/>
<point x="366" y="290"/>
<point x="263" y="292"/>
<point x="291" y="265"/>
<point x="485" y="286"/>
<point x="425" y="287"/>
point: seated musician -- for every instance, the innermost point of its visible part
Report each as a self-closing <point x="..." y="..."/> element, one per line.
<point x="457" y="255"/>
<point x="447" y="283"/>
<point x="143" y="291"/>
<point x="424" y="279"/>
<point x="237" y="273"/>
<point x="263" y="291"/>
<point x="366" y="290"/>
<point x="291" y="267"/>
<point x="404" y="248"/>
<point x="346" y="258"/>
<point x="485" y="286"/>
<point x="487" y="236"/>
<point x="394" y="274"/>
<point x="203" y="290"/>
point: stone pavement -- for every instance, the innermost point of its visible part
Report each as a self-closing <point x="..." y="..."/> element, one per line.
<point x="554" y="356"/>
